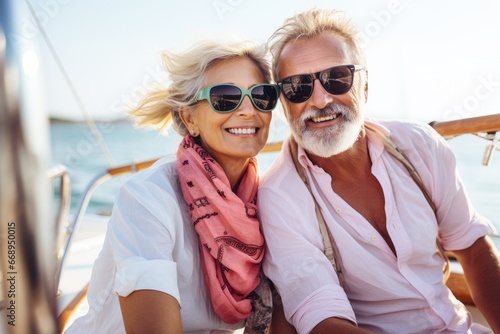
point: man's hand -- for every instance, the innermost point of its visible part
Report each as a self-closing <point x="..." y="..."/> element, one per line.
<point x="337" y="325"/>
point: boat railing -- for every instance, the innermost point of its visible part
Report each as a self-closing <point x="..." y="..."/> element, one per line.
<point x="69" y="232"/>
<point x="480" y="124"/>
<point x="84" y="201"/>
<point x="59" y="172"/>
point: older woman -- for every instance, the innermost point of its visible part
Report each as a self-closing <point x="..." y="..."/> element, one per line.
<point x="183" y="249"/>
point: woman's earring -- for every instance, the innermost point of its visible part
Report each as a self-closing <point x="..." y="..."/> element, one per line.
<point x="194" y="133"/>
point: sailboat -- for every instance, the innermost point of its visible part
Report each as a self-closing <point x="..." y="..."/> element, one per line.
<point x="59" y="264"/>
<point x="72" y="302"/>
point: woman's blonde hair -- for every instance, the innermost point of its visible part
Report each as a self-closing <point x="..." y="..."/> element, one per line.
<point x="187" y="74"/>
<point x="312" y="23"/>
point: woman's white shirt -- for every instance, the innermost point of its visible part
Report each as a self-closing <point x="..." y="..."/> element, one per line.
<point x="150" y="244"/>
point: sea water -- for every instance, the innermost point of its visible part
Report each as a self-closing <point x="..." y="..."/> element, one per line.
<point x="74" y="146"/>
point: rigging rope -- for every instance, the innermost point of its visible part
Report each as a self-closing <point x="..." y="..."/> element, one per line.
<point x="88" y="119"/>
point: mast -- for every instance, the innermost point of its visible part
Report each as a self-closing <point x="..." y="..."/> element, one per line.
<point x="27" y="235"/>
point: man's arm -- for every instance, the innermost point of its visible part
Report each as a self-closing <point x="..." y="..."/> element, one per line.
<point x="337" y="325"/>
<point x="481" y="264"/>
<point x="279" y="324"/>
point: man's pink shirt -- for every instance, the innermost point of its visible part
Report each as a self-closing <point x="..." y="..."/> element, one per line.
<point x="384" y="293"/>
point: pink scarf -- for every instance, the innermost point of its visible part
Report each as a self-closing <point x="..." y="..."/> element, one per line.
<point x="231" y="244"/>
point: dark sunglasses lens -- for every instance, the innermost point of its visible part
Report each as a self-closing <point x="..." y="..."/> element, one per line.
<point x="337" y="80"/>
<point x="265" y="97"/>
<point x="298" y="88"/>
<point x="225" y="98"/>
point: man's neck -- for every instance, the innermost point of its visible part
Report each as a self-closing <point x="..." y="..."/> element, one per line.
<point x="352" y="163"/>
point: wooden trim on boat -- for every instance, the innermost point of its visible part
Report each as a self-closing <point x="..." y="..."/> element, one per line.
<point x="65" y="315"/>
<point x="272" y="147"/>
<point x="132" y="168"/>
<point x="489" y="123"/>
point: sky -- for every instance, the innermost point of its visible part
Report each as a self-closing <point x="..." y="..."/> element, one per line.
<point x="427" y="60"/>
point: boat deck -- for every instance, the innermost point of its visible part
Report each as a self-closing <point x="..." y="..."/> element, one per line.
<point x="78" y="266"/>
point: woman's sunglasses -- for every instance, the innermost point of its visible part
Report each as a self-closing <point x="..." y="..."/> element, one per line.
<point x="335" y="80"/>
<point x="224" y="98"/>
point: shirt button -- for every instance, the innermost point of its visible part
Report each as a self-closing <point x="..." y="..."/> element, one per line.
<point x="374" y="238"/>
<point x="339" y="210"/>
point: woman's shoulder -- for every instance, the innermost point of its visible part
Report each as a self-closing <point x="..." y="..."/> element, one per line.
<point x="163" y="170"/>
<point x="152" y="195"/>
<point x="159" y="181"/>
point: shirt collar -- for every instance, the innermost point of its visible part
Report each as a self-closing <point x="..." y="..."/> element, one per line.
<point x="305" y="161"/>
<point x="375" y="145"/>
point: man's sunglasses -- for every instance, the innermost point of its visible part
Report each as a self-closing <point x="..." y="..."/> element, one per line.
<point x="335" y="80"/>
<point x="225" y="98"/>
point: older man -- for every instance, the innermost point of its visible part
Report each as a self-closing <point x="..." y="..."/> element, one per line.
<point x="337" y="187"/>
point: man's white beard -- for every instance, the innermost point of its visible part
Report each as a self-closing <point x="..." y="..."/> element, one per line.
<point x="329" y="141"/>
